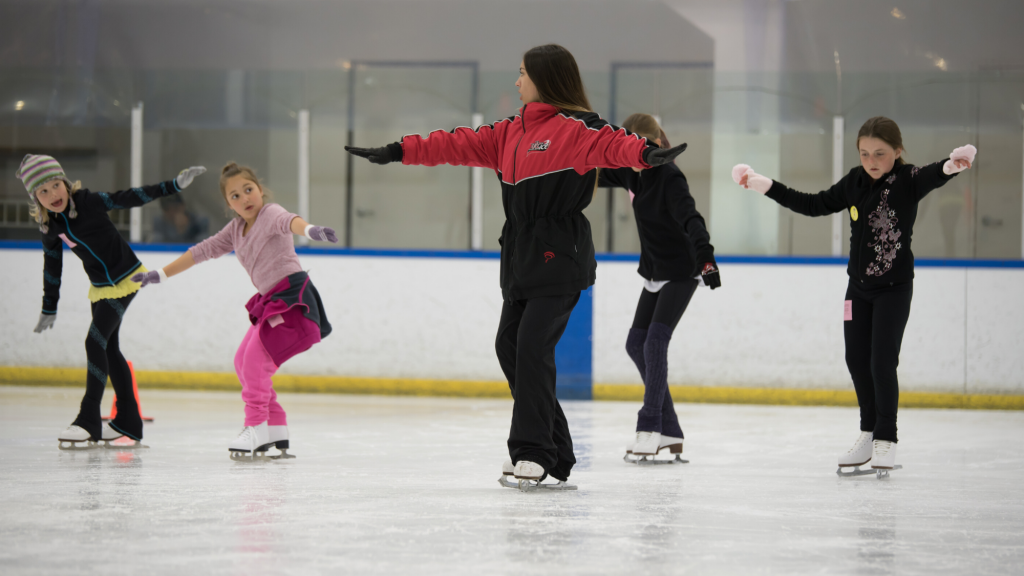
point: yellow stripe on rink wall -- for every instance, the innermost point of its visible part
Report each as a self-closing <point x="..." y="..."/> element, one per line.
<point x="21" y="376"/>
<point x="800" y="397"/>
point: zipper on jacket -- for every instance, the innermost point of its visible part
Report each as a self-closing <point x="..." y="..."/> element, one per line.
<point x="106" y="271"/>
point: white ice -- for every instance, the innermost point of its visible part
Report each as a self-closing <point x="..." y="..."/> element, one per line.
<point x="402" y="485"/>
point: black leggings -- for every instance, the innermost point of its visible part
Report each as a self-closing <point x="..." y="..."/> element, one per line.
<point x="104" y="358"/>
<point x="527" y="335"/>
<point x="657" y="314"/>
<point x="873" y="339"/>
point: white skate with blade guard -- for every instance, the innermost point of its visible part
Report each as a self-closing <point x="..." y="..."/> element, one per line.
<point x="647" y="445"/>
<point x="278" y="436"/>
<point x="529" y="477"/>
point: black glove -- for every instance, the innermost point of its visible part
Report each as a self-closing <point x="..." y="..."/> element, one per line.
<point x="708" y="269"/>
<point x="384" y="155"/>
<point x="657" y="156"/>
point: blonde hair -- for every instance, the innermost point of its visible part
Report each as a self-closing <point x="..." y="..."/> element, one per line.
<point x="39" y="214"/>
<point x="647" y="126"/>
<point x="232" y="169"/>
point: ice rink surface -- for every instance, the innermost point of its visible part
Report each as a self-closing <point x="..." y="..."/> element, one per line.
<point x="403" y="485"/>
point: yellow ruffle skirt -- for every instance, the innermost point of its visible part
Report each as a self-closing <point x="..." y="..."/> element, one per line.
<point x="119" y="290"/>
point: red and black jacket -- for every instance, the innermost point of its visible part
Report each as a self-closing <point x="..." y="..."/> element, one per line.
<point x="546" y="162"/>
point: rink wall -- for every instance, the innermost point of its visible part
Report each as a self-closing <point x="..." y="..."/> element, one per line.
<point x="423" y="323"/>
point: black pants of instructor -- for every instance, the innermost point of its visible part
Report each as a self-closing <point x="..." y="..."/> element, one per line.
<point x="873" y="339"/>
<point x="527" y="335"/>
<point x="104" y="358"/>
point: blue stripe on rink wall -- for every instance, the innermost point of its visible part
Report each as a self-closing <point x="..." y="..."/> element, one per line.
<point x="574" y="355"/>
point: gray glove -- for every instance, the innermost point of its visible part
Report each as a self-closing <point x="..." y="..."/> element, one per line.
<point x="322" y="234"/>
<point x="147" y="278"/>
<point x="45" y="321"/>
<point x="185" y="177"/>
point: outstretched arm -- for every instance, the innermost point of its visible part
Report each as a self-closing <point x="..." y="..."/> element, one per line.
<point x="182" y="263"/>
<point x="319" y="233"/>
<point x="826" y="202"/>
<point x="462" y="146"/>
<point x="138" y="196"/>
<point x="935" y="175"/>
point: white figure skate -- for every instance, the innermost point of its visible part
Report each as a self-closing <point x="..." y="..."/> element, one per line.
<point x="647" y="445"/>
<point x="865" y="450"/>
<point x="278" y="438"/>
<point x="115" y="440"/>
<point x="76" y="438"/>
<point x="529" y="477"/>
<point x="883" y="458"/>
<point x="249" y="442"/>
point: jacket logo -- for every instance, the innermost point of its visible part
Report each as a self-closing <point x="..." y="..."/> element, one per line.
<point x="539" y="146"/>
<point x="548" y="256"/>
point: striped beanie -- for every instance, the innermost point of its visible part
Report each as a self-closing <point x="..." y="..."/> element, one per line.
<point x="37" y="169"/>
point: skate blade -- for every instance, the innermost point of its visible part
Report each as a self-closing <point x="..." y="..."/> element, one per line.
<point x="884" y="472"/>
<point x="647" y="460"/>
<point x="244" y="456"/>
<point x="879" y="472"/>
<point x="123" y="443"/>
<point x="73" y="445"/>
<point x="525" y="485"/>
<point x="281" y="455"/>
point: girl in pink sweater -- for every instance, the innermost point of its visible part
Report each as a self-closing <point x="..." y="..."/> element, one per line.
<point x="287" y="315"/>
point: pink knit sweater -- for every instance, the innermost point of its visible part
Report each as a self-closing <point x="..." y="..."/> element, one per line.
<point x="267" y="251"/>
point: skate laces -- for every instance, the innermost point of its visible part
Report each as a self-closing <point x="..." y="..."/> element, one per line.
<point x="864" y="437"/>
<point x="643" y="436"/>
<point x="882" y="447"/>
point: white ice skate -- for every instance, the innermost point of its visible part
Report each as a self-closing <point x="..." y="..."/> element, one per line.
<point x="76" y="438"/>
<point x="865" y="450"/>
<point x="278" y="436"/>
<point x="647" y="445"/>
<point x="249" y="442"/>
<point x="883" y="458"/>
<point x="115" y="440"/>
<point x="529" y="477"/>
<point x="857" y="456"/>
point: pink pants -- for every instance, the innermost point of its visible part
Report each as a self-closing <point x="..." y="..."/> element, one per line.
<point x="254" y="368"/>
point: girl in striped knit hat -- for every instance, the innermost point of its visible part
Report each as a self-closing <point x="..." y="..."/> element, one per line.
<point x="72" y="215"/>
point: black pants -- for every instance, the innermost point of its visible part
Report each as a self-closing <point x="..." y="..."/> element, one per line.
<point x="527" y="335"/>
<point x="104" y="358"/>
<point x="873" y="339"/>
<point x="657" y="314"/>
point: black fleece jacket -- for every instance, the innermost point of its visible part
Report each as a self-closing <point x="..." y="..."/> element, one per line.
<point x="673" y="236"/>
<point x="91" y="235"/>
<point x="882" y="214"/>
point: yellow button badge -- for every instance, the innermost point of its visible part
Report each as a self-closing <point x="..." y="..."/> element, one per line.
<point x="853" y="213"/>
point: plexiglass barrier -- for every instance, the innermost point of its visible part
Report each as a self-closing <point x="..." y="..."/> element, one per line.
<point x="781" y="124"/>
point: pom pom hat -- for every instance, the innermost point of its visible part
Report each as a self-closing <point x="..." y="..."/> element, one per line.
<point x="38" y="169"/>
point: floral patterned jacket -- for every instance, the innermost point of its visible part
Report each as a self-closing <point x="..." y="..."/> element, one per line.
<point x="882" y="215"/>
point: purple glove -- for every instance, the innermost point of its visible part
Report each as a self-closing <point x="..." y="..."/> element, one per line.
<point x="321" y="234"/>
<point x="147" y="278"/>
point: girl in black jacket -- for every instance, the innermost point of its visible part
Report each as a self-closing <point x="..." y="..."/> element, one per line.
<point x="545" y="157"/>
<point x="881" y="196"/>
<point x="676" y="256"/>
<point x="77" y="217"/>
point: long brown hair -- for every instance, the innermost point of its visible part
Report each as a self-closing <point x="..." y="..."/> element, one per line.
<point x="885" y="130"/>
<point x="554" y="72"/>
<point x="646" y="126"/>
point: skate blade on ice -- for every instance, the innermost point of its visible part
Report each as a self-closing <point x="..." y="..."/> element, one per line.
<point x="650" y="460"/>
<point x="123" y="443"/>
<point x="259" y="455"/>
<point x="525" y="485"/>
<point x="73" y="445"/>
<point x="282" y="454"/>
<point x="878" y="472"/>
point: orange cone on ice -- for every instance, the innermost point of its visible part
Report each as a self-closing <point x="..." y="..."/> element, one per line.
<point x="135" y="388"/>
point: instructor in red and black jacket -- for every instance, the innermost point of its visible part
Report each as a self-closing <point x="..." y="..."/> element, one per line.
<point x="546" y="157"/>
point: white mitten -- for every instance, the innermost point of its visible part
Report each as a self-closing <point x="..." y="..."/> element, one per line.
<point x="754" y="180"/>
<point x="961" y="155"/>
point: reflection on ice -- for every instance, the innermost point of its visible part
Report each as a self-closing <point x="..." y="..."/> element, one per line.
<point x="406" y="485"/>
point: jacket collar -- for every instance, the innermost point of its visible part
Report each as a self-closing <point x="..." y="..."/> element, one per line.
<point x="537" y="112"/>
